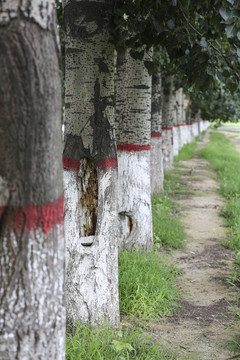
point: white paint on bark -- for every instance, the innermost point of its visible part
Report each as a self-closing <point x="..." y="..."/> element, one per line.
<point x="167" y="149"/>
<point x="91" y="285"/>
<point x="32" y="334"/>
<point x="135" y="211"/>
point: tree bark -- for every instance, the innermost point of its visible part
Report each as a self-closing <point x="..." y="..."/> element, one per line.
<point x="32" y="315"/>
<point x="156" y="135"/>
<point x="90" y="165"/>
<point x="133" y="116"/>
<point x="169" y="99"/>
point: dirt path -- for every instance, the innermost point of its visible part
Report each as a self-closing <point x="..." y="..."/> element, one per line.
<point x="205" y="323"/>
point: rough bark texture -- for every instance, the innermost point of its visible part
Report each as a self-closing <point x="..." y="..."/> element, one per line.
<point x="133" y="114"/>
<point x="90" y="175"/>
<point x="156" y="135"/>
<point x="168" y="95"/>
<point x="32" y="316"/>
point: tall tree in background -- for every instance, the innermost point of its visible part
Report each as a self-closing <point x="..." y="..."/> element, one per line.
<point x="169" y="99"/>
<point x="133" y="118"/>
<point x="156" y="135"/>
<point x="90" y="164"/>
<point x="32" y="320"/>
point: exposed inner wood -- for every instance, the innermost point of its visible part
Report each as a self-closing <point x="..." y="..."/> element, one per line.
<point x="88" y="197"/>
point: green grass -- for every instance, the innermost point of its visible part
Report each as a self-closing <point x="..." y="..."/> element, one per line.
<point x="147" y="285"/>
<point x="226" y="162"/>
<point x="168" y="231"/>
<point x="187" y="151"/>
<point x="231" y="124"/>
<point x="106" y="343"/>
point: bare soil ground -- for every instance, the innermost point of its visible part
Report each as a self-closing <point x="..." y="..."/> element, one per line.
<point x="205" y="322"/>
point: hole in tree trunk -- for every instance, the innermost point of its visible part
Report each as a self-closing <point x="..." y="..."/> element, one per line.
<point x="88" y="200"/>
<point x="126" y="224"/>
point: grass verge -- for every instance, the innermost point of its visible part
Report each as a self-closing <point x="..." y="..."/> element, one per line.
<point x="147" y="285"/>
<point x="106" y="343"/>
<point x="226" y="162"/>
<point x="187" y="151"/>
<point x="168" y="231"/>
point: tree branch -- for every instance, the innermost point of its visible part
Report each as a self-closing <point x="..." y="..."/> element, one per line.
<point x="209" y="42"/>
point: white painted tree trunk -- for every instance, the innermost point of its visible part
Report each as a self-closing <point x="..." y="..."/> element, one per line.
<point x="156" y="136"/>
<point x="169" y="99"/>
<point x="90" y="165"/>
<point x="133" y="114"/>
<point x="32" y="315"/>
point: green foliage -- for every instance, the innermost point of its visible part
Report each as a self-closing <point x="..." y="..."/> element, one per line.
<point x="167" y="228"/>
<point x="146" y="285"/>
<point x="192" y="35"/>
<point x="215" y="104"/>
<point x="226" y="162"/>
<point x="106" y="343"/>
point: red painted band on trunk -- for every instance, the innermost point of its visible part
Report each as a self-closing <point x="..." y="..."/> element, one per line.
<point x="71" y="164"/>
<point x="166" y="128"/>
<point x="131" y="147"/>
<point x="1" y="210"/>
<point x="156" y="135"/>
<point x="177" y="125"/>
<point x="107" y="163"/>
<point x="32" y="217"/>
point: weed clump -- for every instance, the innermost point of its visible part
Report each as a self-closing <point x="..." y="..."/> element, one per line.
<point x="106" y="343"/>
<point x="146" y="285"/>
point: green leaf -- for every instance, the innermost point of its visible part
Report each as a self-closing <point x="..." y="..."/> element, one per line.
<point x="238" y="35"/>
<point x="120" y="345"/>
<point x="159" y="28"/>
<point x="150" y="66"/>
<point x="232" y="86"/>
<point x="171" y="24"/>
<point x="229" y="31"/>
<point x="210" y="70"/>
<point x="137" y="55"/>
<point x="203" y="42"/>
<point x="224" y="13"/>
<point x="220" y="76"/>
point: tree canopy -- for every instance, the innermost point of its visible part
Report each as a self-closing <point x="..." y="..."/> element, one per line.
<point x="199" y="39"/>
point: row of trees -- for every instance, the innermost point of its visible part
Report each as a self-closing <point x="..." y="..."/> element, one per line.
<point x="113" y="115"/>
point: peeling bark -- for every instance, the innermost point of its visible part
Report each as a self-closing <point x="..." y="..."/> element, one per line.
<point x="32" y="315"/>
<point x="156" y="136"/>
<point x="133" y="118"/>
<point x="90" y="174"/>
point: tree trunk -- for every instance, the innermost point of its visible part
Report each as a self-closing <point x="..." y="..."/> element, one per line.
<point x="133" y="114"/>
<point x="156" y="135"/>
<point x="32" y="316"/>
<point x="90" y="165"/>
<point x="167" y="123"/>
<point x="177" y="123"/>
